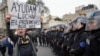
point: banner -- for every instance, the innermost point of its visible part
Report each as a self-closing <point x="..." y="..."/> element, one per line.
<point x="24" y="16"/>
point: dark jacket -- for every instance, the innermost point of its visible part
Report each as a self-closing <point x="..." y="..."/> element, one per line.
<point x="28" y="49"/>
<point x="60" y="37"/>
<point x="93" y="44"/>
<point x="79" y="42"/>
<point x="70" y="39"/>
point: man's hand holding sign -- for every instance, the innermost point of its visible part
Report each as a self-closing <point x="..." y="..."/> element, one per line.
<point x="24" y="16"/>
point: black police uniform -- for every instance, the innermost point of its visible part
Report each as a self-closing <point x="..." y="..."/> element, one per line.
<point x="93" y="44"/>
<point x="79" y="43"/>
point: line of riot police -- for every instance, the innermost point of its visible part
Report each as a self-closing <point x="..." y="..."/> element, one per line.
<point x="81" y="38"/>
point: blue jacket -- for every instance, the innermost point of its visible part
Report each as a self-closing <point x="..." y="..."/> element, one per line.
<point x="8" y="43"/>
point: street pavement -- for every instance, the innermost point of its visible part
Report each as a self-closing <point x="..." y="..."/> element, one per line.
<point x="42" y="51"/>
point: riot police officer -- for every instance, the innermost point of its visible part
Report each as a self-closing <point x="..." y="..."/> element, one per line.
<point x="79" y="44"/>
<point x="70" y="37"/>
<point x="67" y="35"/>
<point x="93" y="40"/>
<point x="60" y="39"/>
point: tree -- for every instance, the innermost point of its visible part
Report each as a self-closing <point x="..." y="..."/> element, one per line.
<point x="31" y="1"/>
<point x="58" y="19"/>
<point x="44" y="9"/>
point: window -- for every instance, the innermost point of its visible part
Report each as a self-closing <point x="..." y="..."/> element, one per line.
<point x="97" y="13"/>
<point x="91" y="6"/>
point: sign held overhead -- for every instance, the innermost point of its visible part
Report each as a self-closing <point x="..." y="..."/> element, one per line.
<point x="24" y="16"/>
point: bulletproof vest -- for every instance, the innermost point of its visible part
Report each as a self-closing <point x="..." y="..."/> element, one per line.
<point x="61" y="34"/>
<point x="53" y="34"/>
<point x="66" y="38"/>
<point x="77" y="38"/>
<point x="95" y="35"/>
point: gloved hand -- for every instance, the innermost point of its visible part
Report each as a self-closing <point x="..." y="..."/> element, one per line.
<point x="72" y="51"/>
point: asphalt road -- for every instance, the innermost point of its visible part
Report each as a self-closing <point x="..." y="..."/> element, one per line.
<point x="42" y="51"/>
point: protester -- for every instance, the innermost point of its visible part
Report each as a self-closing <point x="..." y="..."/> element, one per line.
<point x="23" y="42"/>
<point x="5" y="42"/>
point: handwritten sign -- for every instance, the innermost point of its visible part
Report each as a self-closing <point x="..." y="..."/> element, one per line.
<point x="24" y="16"/>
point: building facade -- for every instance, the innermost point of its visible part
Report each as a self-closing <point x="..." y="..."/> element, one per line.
<point x="50" y="21"/>
<point x="80" y="11"/>
<point x="69" y="17"/>
<point x="86" y="10"/>
<point x="3" y="12"/>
